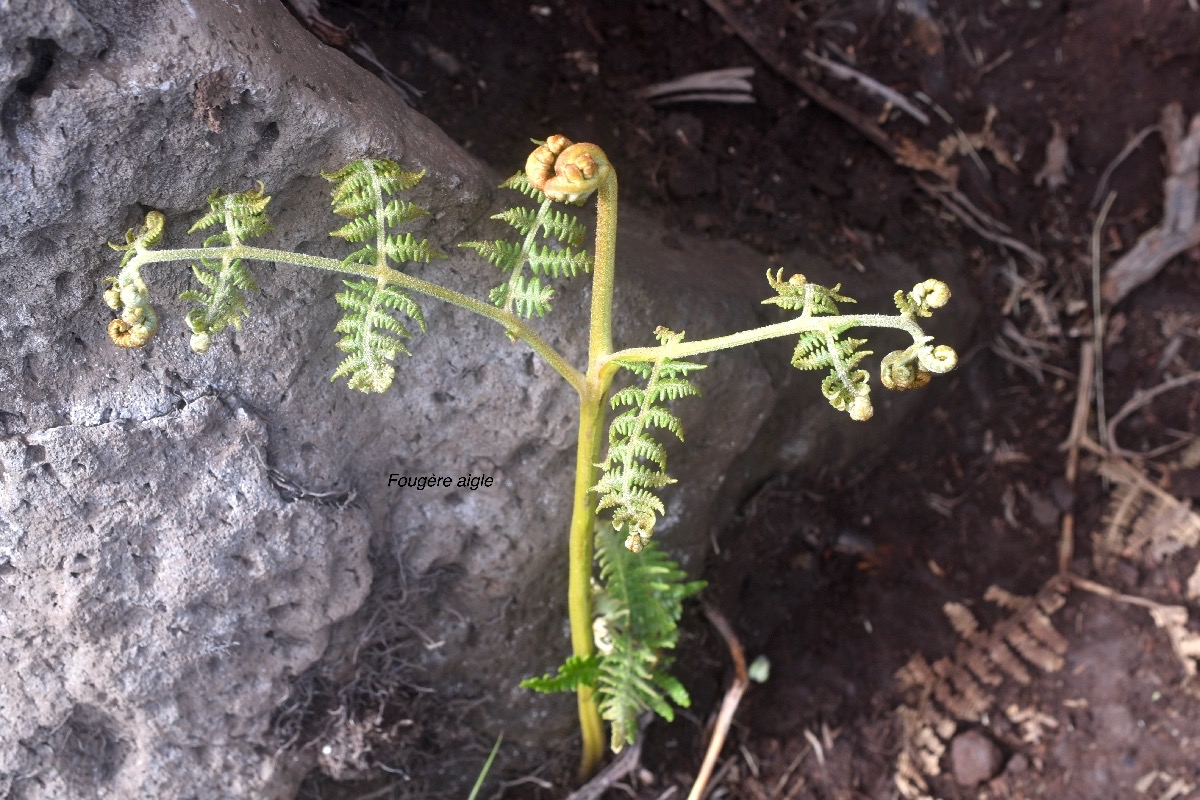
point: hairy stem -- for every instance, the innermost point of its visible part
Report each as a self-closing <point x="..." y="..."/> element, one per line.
<point x="579" y="582"/>
<point x="591" y="442"/>
<point x="511" y="322"/>
<point x="791" y="327"/>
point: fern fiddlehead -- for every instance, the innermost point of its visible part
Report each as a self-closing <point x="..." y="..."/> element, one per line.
<point x="846" y="387"/>
<point x="127" y="292"/>
<point x="372" y="334"/>
<point x="636" y="464"/>
<point x="916" y="365"/>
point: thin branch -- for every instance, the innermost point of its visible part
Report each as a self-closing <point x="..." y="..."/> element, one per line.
<point x="741" y="682"/>
<point x="1126" y="152"/>
<point x="731" y="85"/>
<point x="1079" y="420"/>
<point x="859" y="121"/>
<point x="1099" y="320"/>
<point x="1140" y="399"/>
<point x="952" y="200"/>
<point x="1180" y="228"/>
<point x="873" y="86"/>
<point x="624" y="764"/>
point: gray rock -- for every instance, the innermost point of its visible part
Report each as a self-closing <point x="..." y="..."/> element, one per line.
<point x="974" y="759"/>
<point x="207" y="587"/>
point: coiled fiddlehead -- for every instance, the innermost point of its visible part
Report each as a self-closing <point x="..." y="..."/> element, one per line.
<point x="846" y="387"/>
<point x="127" y="292"/>
<point x="915" y="366"/>
<point x="372" y="335"/>
<point x="528" y="297"/>
<point x="565" y="171"/>
<point x="636" y="464"/>
<point x="225" y="278"/>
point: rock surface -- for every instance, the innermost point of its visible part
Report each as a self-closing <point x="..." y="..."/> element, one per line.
<point x="206" y="586"/>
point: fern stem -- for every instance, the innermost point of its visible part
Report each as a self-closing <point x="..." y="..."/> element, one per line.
<point x="603" y="272"/>
<point x="591" y="441"/>
<point x="509" y="321"/>
<point x="791" y="327"/>
<point x="580" y="557"/>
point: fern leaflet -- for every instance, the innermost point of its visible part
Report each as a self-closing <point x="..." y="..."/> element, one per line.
<point x="845" y="387"/>
<point x="636" y="464"/>
<point x="576" y="671"/>
<point x="221" y="302"/>
<point x="372" y="334"/>
<point x="523" y="296"/>
<point x="639" y="604"/>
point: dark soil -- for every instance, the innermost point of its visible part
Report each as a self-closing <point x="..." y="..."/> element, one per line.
<point x="840" y="583"/>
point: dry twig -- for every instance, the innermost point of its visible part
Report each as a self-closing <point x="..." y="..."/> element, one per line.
<point x="1099" y="320"/>
<point x="859" y="121"/>
<point x="624" y="764"/>
<point x="741" y="682"/>
<point x="730" y="85"/>
<point x="1140" y="399"/>
<point x="1180" y="228"/>
<point x="1126" y="152"/>
<point x="889" y="95"/>
<point x="1083" y="399"/>
<point x="957" y="204"/>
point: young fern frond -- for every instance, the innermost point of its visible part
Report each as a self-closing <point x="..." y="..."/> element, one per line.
<point x="846" y="388"/>
<point x="524" y="296"/>
<point x="127" y="292"/>
<point x="221" y="302"/>
<point x="636" y="464"/>
<point x="373" y="336"/>
<point x="638" y="602"/>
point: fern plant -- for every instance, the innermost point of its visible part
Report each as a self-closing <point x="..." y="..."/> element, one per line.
<point x="624" y="594"/>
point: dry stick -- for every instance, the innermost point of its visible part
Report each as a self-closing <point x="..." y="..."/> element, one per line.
<point x="1083" y="399"/>
<point x="856" y="118"/>
<point x="741" y="682"/>
<point x="1098" y="319"/>
<point x="1140" y="399"/>
<point x="1126" y="152"/>
<point x="623" y="765"/>
<point x="1180" y="228"/>
<point x="889" y="95"/>
<point x="1112" y="594"/>
<point x="952" y="199"/>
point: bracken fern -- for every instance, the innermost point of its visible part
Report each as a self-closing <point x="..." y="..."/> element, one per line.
<point x="624" y="595"/>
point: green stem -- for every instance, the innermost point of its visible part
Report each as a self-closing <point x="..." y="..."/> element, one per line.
<point x="791" y="327"/>
<point x="511" y="322"/>
<point x="591" y="441"/>
<point x="579" y="582"/>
